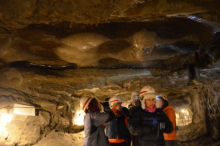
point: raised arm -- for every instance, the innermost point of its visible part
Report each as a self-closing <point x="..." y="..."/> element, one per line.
<point x="100" y="118"/>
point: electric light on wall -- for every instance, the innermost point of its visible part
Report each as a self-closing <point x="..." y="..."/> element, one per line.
<point x="78" y="118"/>
<point x="5" y="118"/>
<point x="183" y="116"/>
<point x="20" y="109"/>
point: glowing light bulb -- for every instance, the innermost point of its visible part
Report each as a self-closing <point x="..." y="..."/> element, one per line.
<point x="183" y="111"/>
<point x="79" y="118"/>
<point x="6" y="118"/>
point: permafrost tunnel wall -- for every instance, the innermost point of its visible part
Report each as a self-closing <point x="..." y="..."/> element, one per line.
<point x="54" y="53"/>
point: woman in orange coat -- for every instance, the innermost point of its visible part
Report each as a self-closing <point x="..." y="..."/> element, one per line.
<point x="163" y="103"/>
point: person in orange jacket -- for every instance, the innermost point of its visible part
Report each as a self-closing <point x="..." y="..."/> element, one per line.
<point x="163" y="103"/>
<point x="116" y="130"/>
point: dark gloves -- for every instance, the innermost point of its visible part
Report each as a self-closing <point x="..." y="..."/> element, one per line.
<point x="106" y="107"/>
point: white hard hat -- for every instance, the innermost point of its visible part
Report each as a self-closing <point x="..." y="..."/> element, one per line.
<point x="147" y="96"/>
<point x="114" y="100"/>
<point x="135" y="96"/>
<point x="84" y="102"/>
<point x="146" y="90"/>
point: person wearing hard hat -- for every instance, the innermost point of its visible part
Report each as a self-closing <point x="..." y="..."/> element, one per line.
<point x="163" y="103"/>
<point x="93" y="122"/>
<point x="116" y="130"/>
<point x="150" y="123"/>
<point x="146" y="90"/>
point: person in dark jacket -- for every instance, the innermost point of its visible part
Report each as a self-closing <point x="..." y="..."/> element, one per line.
<point x="134" y="106"/>
<point x="93" y="122"/>
<point x="150" y="123"/>
<point x="116" y="130"/>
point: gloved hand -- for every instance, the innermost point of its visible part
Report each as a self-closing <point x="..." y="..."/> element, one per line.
<point x="106" y="107"/>
<point x="162" y="126"/>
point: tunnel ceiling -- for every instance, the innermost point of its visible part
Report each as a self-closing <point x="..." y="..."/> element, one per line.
<point x="21" y="13"/>
<point x="161" y="34"/>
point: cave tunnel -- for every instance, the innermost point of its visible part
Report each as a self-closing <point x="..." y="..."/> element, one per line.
<point x="53" y="53"/>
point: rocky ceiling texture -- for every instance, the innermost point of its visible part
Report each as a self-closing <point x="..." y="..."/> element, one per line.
<point x="111" y="34"/>
<point x="53" y="52"/>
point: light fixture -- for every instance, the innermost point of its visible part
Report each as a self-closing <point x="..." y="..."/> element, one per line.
<point x="78" y="118"/>
<point x="183" y="111"/>
<point x="183" y="116"/>
<point x="6" y="118"/>
<point x="20" y="109"/>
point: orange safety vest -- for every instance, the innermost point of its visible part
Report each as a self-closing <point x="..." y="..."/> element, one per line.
<point x="169" y="111"/>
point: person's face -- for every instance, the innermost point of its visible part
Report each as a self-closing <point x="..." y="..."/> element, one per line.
<point x="160" y="102"/>
<point x="118" y="107"/>
<point x="150" y="102"/>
